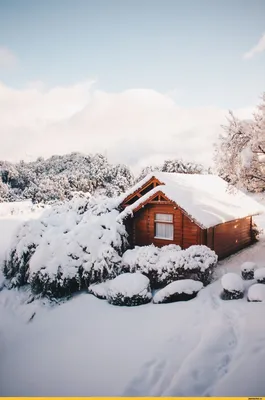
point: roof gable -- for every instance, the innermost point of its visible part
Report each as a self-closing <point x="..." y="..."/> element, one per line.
<point x="206" y="199"/>
<point x="140" y="189"/>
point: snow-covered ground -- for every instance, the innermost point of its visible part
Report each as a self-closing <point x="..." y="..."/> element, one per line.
<point x="87" y="347"/>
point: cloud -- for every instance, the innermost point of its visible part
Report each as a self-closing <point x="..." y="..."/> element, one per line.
<point x="7" y="58"/>
<point x="258" y="48"/>
<point x="136" y="127"/>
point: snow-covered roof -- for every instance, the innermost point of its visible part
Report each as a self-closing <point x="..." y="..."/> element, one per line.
<point x="207" y="199"/>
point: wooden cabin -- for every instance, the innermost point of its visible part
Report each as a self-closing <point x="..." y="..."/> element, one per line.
<point x="170" y="208"/>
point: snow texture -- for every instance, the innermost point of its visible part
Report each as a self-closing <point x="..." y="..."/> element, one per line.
<point x="232" y="282"/>
<point x="256" y="292"/>
<point x="99" y="290"/>
<point x="207" y="199"/>
<point x="259" y="274"/>
<point x="128" y="285"/>
<point x="187" y="286"/>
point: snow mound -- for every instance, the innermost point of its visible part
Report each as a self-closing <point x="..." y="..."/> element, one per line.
<point x="259" y="275"/>
<point x="232" y="282"/>
<point x="248" y="266"/>
<point x="170" y="263"/>
<point x="233" y="287"/>
<point x="129" y="289"/>
<point x="247" y="270"/>
<point x="99" y="290"/>
<point x="176" y="291"/>
<point x="256" y="293"/>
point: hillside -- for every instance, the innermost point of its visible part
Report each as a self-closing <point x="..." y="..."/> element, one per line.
<point x="59" y="177"/>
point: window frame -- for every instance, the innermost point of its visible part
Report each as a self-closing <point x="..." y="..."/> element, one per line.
<point x="163" y="222"/>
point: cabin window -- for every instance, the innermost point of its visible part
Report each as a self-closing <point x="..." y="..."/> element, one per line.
<point x="164" y="226"/>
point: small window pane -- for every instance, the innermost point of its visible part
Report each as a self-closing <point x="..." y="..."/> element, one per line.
<point x="164" y="217"/>
<point x="164" y="231"/>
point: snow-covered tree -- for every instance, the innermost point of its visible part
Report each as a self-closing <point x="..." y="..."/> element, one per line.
<point x="58" y="177"/>
<point x="182" y="167"/>
<point x="240" y="151"/>
<point x="3" y="192"/>
<point x="177" y="165"/>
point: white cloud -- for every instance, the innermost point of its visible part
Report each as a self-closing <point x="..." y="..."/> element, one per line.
<point x="7" y="58"/>
<point x="137" y="127"/>
<point x="258" y="48"/>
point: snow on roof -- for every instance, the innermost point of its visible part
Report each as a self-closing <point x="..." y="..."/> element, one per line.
<point x="136" y="187"/>
<point x="207" y="199"/>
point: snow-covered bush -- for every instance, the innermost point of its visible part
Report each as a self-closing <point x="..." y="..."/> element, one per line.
<point x="200" y="261"/>
<point x="169" y="263"/>
<point x="129" y="290"/>
<point x="182" y="290"/>
<point x="72" y="246"/>
<point x="233" y="287"/>
<point x="99" y="290"/>
<point x="256" y="293"/>
<point x="259" y="275"/>
<point x="248" y="269"/>
<point x="25" y="242"/>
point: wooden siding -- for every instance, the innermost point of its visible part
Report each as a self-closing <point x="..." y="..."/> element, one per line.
<point x="225" y="239"/>
<point x="191" y="233"/>
<point x="233" y="236"/>
<point x="186" y="232"/>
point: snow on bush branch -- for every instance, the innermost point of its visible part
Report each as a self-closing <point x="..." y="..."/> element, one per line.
<point x="73" y="245"/>
<point x="170" y="263"/>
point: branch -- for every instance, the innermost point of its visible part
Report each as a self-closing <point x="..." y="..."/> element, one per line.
<point x="257" y="177"/>
<point x="261" y="149"/>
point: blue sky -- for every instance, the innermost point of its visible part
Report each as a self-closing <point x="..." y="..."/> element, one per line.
<point x="190" y="48"/>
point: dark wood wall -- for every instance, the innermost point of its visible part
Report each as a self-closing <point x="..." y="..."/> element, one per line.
<point x="186" y="232"/>
<point x="232" y="236"/>
<point x="225" y="239"/>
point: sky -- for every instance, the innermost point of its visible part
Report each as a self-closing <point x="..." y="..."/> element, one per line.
<point x="138" y="80"/>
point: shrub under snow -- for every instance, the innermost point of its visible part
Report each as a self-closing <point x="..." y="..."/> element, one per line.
<point x="248" y="269"/>
<point x="99" y="290"/>
<point x="28" y="237"/>
<point x="170" y="263"/>
<point x="233" y="287"/>
<point x="129" y="290"/>
<point x="256" y="293"/>
<point x="72" y="246"/>
<point x="182" y="290"/>
<point x="259" y="275"/>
